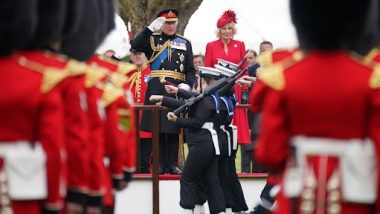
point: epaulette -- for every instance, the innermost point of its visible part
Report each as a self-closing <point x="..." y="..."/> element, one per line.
<point x="111" y="93"/>
<point x="93" y="75"/>
<point x="374" y="80"/>
<point x="75" y="67"/>
<point x="124" y="68"/>
<point x="51" y="76"/>
<point x="156" y="34"/>
<point x="265" y="59"/>
<point x="370" y="57"/>
<point x="184" y="38"/>
<point x="273" y="75"/>
<point x="117" y="79"/>
<point x="57" y="56"/>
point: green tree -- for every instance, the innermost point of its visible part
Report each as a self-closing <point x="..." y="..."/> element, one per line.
<point x="141" y="12"/>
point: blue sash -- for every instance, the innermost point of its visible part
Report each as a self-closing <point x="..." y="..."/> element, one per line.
<point x="155" y="65"/>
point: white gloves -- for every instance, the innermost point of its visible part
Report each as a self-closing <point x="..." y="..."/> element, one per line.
<point x="157" y="24"/>
<point x="184" y="86"/>
<point x="171" y="116"/>
<point x="155" y="98"/>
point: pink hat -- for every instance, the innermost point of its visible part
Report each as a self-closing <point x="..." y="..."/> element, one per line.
<point x="227" y="17"/>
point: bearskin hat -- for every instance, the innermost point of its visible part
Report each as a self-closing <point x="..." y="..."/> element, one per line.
<point x="370" y="36"/>
<point x="83" y="43"/>
<point x="51" y="21"/>
<point x="329" y="24"/>
<point x="18" y="21"/>
<point x="73" y="17"/>
<point x="110" y="15"/>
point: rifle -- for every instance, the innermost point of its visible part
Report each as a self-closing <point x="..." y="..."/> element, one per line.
<point x="220" y="86"/>
<point x="209" y="90"/>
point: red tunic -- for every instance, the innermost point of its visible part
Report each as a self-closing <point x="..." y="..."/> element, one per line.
<point x="138" y="85"/>
<point x="120" y="138"/>
<point x="27" y="114"/>
<point x="325" y="95"/>
<point x="256" y="100"/>
<point x="373" y="58"/>
<point x="75" y="120"/>
<point x="236" y="52"/>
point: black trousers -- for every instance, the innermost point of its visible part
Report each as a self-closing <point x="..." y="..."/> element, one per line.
<point x="168" y="150"/>
<point x="246" y="157"/>
<point x="224" y="177"/>
<point x="145" y="154"/>
<point x="239" y="203"/>
<point x="201" y="162"/>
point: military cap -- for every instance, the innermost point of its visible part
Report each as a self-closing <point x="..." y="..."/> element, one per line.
<point x="171" y="15"/>
<point x="224" y="71"/>
<point x="227" y="64"/>
<point x="18" y="23"/>
<point x="209" y="72"/>
<point x="135" y="49"/>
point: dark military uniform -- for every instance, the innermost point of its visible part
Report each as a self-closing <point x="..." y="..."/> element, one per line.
<point x="171" y="60"/>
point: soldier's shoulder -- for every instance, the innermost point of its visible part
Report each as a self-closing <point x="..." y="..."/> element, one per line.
<point x="156" y="34"/>
<point x="182" y="37"/>
<point x="273" y="76"/>
<point x="374" y="81"/>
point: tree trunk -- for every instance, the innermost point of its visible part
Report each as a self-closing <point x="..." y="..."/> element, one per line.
<point x="141" y="12"/>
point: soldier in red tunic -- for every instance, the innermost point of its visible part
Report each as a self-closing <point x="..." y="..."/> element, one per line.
<point x="371" y="58"/>
<point x="31" y="120"/>
<point x="138" y="82"/>
<point x="320" y="109"/>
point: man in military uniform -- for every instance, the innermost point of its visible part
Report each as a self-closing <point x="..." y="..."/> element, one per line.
<point x="171" y="62"/>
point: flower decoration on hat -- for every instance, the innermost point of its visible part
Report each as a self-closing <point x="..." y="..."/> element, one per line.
<point x="227" y="17"/>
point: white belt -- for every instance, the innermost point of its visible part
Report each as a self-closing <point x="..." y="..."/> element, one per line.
<point x="325" y="146"/>
<point x="357" y="159"/>
<point x="25" y="167"/>
<point x="234" y="137"/>
<point x="210" y="127"/>
<point x="229" y="138"/>
<point x="6" y="146"/>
